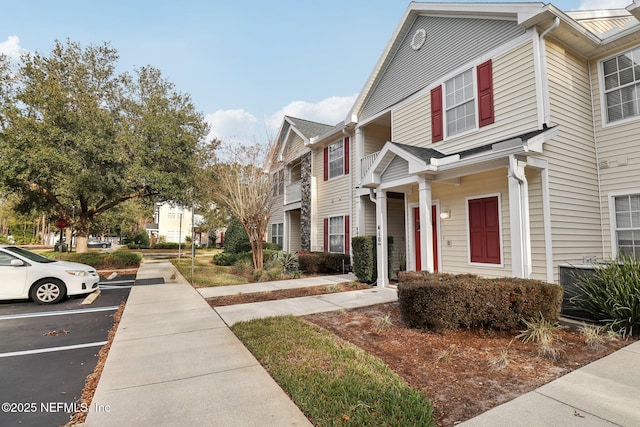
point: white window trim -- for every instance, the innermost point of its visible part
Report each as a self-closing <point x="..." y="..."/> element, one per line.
<point x="329" y="234"/>
<point x="500" y="231"/>
<point x="474" y="76"/>
<point x="603" y="99"/>
<point x="341" y="174"/>
<point x="277" y="235"/>
<point x="612" y="217"/>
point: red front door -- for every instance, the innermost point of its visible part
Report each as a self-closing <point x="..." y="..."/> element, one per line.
<point x="416" y="230"/>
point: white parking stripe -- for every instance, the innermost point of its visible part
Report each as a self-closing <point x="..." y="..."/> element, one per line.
<point x="58" y="313"/>
<point x="52" y="349"/>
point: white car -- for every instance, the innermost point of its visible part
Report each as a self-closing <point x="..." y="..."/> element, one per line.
<point x="24" y="274"/>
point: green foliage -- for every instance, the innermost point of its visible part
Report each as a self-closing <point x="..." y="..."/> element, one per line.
<point x="288" y="262"/>
<point x="169" y="245"/>
<point x="79" y="138"/>
<point x="364" y="258"/>
<point x="225" y="258"/>
<point x="323" y="262"/>
<point x="103" y="261"/>
<point x="445" y="301"/>
<point x="612" y="295"/>
<point x="141" y="239"/>
<point x="236" y="239"/>
<point x="333" y="382"/>
<point x="544" y="334"/>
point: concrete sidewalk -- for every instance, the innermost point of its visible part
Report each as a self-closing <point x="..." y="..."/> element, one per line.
<point x="603" y="393"/>
<point x="174" y="361"/>
<point x="296" y="306"/>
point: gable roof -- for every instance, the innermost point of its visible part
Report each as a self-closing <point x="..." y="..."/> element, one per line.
<point x="516" y="12"/>
<point x="305" y="129"/>
<point x="590" y="33"/>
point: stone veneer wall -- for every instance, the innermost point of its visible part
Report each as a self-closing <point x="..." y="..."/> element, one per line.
<point x="305" y="209"/>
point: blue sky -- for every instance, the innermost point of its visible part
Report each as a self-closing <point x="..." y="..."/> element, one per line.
<point x="244" y="63"/>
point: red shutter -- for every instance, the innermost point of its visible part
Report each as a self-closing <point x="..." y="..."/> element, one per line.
<point x="484" y="230"/>
<point x="437" y="130"/>
<point x="326" y="163"/>
<point x="326" y="234"/>
<point x="347" y="161"/>
<point x="347" y="234"/>
<point x="485" y="94"/>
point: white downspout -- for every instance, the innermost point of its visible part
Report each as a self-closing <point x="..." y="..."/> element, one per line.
<point x="523" y="226"/>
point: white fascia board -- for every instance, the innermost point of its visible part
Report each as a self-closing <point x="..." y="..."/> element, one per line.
<point x="445" y="160"/>
<point x="535" y="144"/>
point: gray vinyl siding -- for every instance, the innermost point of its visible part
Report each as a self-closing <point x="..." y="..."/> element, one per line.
<point x="450" y="43"/>
<point x="573" y="181"/>
<point x="514" y="101"/>
<point x="397" y="169"/>
<point x="295" y="145"/>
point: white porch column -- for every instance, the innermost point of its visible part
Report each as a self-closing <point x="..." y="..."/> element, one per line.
<point x="359" y="153"/>
<point x="381" y="238"/>
<point x="519" y="219"/>
<point x="426" y="231"/>
<point x="285" y="232"/>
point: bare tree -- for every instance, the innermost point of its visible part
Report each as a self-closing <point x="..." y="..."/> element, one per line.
<point x="245" y="190"/>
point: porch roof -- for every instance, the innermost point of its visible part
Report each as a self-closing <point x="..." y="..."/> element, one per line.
<point x="427" y="161"/>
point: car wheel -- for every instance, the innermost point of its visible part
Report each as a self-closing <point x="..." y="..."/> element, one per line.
<point x="48" y="291"/>
<point x="104" y="245"/>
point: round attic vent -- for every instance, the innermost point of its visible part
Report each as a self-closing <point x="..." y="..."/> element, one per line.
<point x="418" y="39"/>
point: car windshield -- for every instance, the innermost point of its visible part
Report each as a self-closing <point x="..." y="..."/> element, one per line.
<point x="29" y="255"/>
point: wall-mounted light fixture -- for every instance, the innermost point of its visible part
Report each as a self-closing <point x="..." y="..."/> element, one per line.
<point x="445" y="214"/>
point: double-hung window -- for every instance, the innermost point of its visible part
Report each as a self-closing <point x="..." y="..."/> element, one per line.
<point x="463" y="103"/>
<point x="621" y="75"/>
<point x="460" y="107"/>
<point x="336" y="234"/>
<point x="277" y="234"/>
<point x="627" y="225"/>
<point x="336" y="159"/>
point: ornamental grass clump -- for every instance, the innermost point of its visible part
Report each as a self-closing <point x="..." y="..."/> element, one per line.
<point x="544" y="334"/>
<point x="612" y="295"/>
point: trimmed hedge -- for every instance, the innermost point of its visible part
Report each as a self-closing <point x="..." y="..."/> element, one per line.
<point x="227" y="258"/>
<point x="444" y="301"/>
<point x="103" y="261"/>
<point x="364" y="258"/>
<point x="323" y="262"/>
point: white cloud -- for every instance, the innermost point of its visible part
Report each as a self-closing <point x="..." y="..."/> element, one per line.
<point x="236" y="125"/>
<point x="330" y="111"/>
<point x="242" y="126"/>
<point x="604" y="4"/>
<point x="11" y="47"/>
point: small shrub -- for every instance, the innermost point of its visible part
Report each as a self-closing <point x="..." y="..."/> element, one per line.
<point x="274" y="273"/>
<point x="383" y="323"/>
<point x="169" y="245"/>
<point x="257" y="275"/>
<point x="225" y="258"/>
<point x="502" y="361"/>
<point x="333" y="288"/>
<point x="592" y="335"/>
<point x="364" y="258"/>
<point x="612" y="295"/>
<point x="235" y="238"/>
<point x="104" y="261"/>
<point x="445" y="355"/>
<point x="287" y="261"/>
<point x="323" y="262"/>
<point x="242" y="267"/>
<point x="544" y="334"/>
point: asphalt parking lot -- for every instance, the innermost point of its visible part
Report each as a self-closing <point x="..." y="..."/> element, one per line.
<point x="46" y="353"/>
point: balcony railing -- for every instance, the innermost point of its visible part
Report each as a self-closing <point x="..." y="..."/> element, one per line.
<point x="293" y="193"/>
<point x="366" y="162"/>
